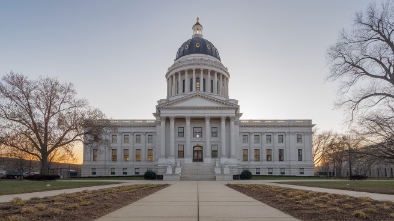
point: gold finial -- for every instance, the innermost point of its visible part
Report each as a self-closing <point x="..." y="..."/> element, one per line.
<point x="197" y="19"/>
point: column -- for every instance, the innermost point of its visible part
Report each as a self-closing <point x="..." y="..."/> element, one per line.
<point x="144" y="151"/>
<point x="131" y="151"/>
<point x="207" y="136"/>
<point x="251" y="153"/>
<point x="187" y="134"/>
<point x="172" y="136"/>
<point x="163" y="137"/>
<point x="173" y="84"/>
<point x="215" y="83"/>
<point x="232" y="129"/>
<point x="180" y="89"/>
<point x="221" y="85"/>
<point x="187" y="82"/>
<point x="208" y="87"/>
<point x="201" y="80"/>
<point x="168" y="88"/>
<point x="194" y="80"/>
<point x="223" y="136"/>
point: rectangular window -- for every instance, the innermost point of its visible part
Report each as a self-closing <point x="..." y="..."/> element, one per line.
<point x="270" y="171"/>
<point x="256" y="155"/>
<point x="136" y="171"/>
<point x="197" y="84"/>
<point x="299" y="154"/>
<point x="95" y="154"/>
<point x="257" y="171"/>
<point x="245" y="154"/>
<point x="126" y="154"/>
<point x="280" y="138"/>
<point x="214" y="151"/>
<point x="138" y="138"/>
<point x="197" y="132"/>
<point x="126" y="138"/>
<point x="268" y="138"/>
<point x="214" y="132"/>
<point x="93" y="171"/>
<point x="138" y="155"/>
<point x="301" y="170"/>
<point x="150" y="138"/>
<point x="299" y="138"/>
<point x="256" y="138"/>
<point x="282" y="171"/>
<point x="181" y="152"/>
<point x="181" y="132"/>
<point x="269" y="154"/>
<point x="114" y="155"/>
<point x="114" y="138"/>
<point x="124" y="171"/>
<point x="281" y="154"/>
<point x="183" y="86"/>
<point x="244" y="138"/>
<point x="150" y="155"/>
<point x="203" y="85"/>
<point x="112" y="171"/>
<point x="211" y="86"/>
<point x="191" y="84"/>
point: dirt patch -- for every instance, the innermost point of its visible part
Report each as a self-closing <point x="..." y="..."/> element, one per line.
<point x="81" y="206"/>
<point x="314" y="206"/>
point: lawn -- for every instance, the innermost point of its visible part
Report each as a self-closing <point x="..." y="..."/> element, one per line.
<point x="385" y="187"/>
<point x="257" y="177"/>
<point x="15" y="187"/>
<point x="107" y="178"/>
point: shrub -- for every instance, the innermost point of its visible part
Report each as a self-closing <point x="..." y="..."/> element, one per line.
<point x="150" y="175"/>
<point x="43" y="177"/>
<point x="246" y="175"/>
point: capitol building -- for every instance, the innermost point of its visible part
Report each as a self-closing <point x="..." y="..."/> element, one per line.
<point x="197" y="132"/>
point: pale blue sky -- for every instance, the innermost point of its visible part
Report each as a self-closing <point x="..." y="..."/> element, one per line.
<point x="117" y="52"/>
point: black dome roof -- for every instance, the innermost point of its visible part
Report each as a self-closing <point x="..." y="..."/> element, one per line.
<point x="197" y="45"/>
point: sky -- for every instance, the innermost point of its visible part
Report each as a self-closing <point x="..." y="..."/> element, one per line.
<point x="116" y="53"/>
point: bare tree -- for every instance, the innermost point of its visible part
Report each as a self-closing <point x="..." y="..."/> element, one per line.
<point x="320" y="144"/>
<point x="41" y="117"/>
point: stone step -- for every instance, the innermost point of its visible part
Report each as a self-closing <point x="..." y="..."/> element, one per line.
<point x="198" y="171"/>
<point x="198" y="177"/>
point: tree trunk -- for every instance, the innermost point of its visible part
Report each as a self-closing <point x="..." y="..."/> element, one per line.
<point x="44" y="163"/>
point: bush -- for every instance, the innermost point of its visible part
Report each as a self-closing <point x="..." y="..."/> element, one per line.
<point x="358" y="177"/>
<point x="150" y="175"/>
<point x="246" y="175"/>
<point x="43" y="177"/>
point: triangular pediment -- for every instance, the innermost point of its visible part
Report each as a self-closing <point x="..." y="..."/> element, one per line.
<point x="198" y="100"/>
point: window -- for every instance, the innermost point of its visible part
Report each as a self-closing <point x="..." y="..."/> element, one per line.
<point x="211" y="86"/>
<point x="136" y="171"/>
<point x="280" y="138"/>
<point x="281" y="154"/>
<point x="214" y="151"/>
<point x="181" y="153"/>
<point x="203" y="85"/>
<point x="268" y="138"/>
<point x="256" y="155"/>
<point x="197" y="84"/>
<point x="112" y="171"/>
<point x="114" y="138"/>
<point x="183" y="86"/>
<point x="257" y="171"/>
<point x="126" y="154"/>
<point x="301" y="170"/>
<point x="126" y="138"/>
<point x="191" y="84"/>
<point x="299" y="138"/>
<point x="299" y="154"/>
<point x="114" y="155"/>
<point x="197" y="132"/>
<point x="181" y="132"/>
<point x="138" y="155"/>
<point x="256" y="138"/>
<point x="270" y="171"/>
<point x="138" y="138"/>
<point x="245" y="154"/>
<point x="93" y="171"/>
<point x="214" y="132"/>
<point x="269" y="154"/>
<point x="282" y="171"/>
<point x="150" y="138"/>
<point x="150" y="155"/>
<point x="95" y="154"/>
<point x="124" y="171"/>
<point x="244" y="138"/>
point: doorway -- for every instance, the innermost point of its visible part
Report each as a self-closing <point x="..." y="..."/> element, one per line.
<point x="197" y="154"/>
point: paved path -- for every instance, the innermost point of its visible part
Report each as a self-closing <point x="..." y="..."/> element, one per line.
<point x="197" y="200"/>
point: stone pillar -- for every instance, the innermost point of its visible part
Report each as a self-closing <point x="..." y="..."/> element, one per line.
<point x="168" y="88"/>
<point x="172" y="136"/>
<point x="187" y="82"/>
<point x="144" y="151"/>
<point x="215" y="83"/>
<point x="180" y="89"/>
<point x="251" y="153"/>
<point x="208" y="87"/>
<point x="232" y="133"/>
<point x="194" y="80"/>
<point x="131" y="151"/>
<point x="201" y="80"/>
<point x="173" y="84"/>
<point x="221" y="85"/>
<point x="207" y="137"/>
<point x="223" y="136"/>
<point x="187" y="134"/>
<point x="163" y="137"/>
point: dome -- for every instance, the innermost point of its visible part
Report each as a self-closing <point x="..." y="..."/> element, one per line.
<point x="197" y="45"/>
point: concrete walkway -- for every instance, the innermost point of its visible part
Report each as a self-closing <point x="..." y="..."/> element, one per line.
<point x="197" y="200"/>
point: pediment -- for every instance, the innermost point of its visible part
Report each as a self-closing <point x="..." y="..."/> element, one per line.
<point x="198" y="101"/>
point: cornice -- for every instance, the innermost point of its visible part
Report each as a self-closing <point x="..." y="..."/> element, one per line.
<point x="187" y="63"/>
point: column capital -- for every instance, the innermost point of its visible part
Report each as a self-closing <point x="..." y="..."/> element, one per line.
<point x="223" y="118"/>
<point x="162" y="118"/>
<point x="207" y="117"/>
<point x="232" y="118"/>
<point x="188" y="119"/>
<point x="236" y="122"/>
<point x="172" y="118"/>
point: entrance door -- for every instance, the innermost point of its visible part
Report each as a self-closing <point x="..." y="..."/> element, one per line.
<point x="197" y="154"/>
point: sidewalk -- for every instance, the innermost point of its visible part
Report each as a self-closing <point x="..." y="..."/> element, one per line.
<point x="197" y="200"/>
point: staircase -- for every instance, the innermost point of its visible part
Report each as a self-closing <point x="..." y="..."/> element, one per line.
<point x="198" y="171"/>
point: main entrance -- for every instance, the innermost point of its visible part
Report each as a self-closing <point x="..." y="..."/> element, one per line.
<point x="197" y="154"/>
